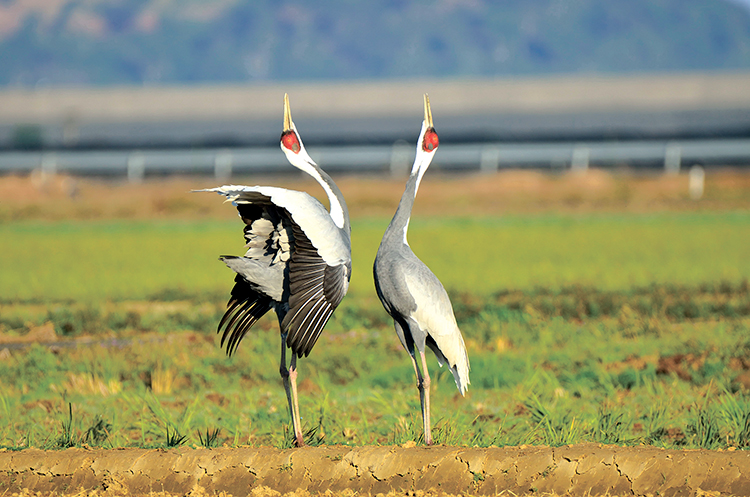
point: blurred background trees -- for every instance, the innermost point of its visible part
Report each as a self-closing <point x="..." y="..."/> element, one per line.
<point x="105" y="42"/>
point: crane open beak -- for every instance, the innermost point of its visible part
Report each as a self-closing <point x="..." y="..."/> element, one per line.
<point x="427" y="111"/>
<point x="287" y="114"/>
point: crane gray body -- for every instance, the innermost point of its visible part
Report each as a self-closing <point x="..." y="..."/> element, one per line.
<point x="414" y="297"/>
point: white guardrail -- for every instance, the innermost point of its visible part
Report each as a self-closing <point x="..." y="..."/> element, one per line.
<point x="396" y="158"/>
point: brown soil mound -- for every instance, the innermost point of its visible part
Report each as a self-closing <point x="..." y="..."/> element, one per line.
<point x="587" y="469"/>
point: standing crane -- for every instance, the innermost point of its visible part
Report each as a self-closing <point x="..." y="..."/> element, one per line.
<point x="298" y="262"/>
<point x="413" y="296"/>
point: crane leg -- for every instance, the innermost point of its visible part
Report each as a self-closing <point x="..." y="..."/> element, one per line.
<point x="424" y="392"/>
<point x="299" y="440"/>
<point x="423" y="384"/>
<point x="289" y="377"/>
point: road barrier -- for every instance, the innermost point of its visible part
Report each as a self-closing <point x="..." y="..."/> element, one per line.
<point x="394" y="159"/>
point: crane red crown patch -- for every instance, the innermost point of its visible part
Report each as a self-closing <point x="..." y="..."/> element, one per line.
<point x="290" y="141"/>
<point x="430" y="141"/>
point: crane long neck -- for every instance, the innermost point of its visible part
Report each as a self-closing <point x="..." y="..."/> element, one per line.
<point x="338" y="209"/>
<point x="400" y="222"/>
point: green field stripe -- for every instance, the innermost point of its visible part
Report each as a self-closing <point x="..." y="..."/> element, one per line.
<point x="135" y="259"/>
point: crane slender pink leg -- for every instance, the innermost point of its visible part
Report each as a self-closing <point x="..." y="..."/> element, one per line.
<point x="425" y="394"/>
<point x="423" y="384"/>
<point x="296" y="421"/>
<point x="289" y="377"/>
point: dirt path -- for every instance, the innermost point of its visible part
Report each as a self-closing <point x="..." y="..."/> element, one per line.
<point x="588" y="469"/>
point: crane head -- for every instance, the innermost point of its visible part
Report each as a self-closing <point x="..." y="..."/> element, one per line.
<point x="289" y="138"/>
<point x="294" y="150"/>
<point x="292" y="146"/>
<point x="428" y="141"/>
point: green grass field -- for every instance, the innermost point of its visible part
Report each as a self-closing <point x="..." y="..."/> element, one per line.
<point x="119" y="260"/>
<point x="612" y="328"/>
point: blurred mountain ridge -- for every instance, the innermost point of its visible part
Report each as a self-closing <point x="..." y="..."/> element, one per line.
<point x="155" y="42"/>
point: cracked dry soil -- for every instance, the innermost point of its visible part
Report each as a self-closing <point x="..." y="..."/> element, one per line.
<point x="587" y="469"/>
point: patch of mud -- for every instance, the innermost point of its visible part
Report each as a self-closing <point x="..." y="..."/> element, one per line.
<point x="588" y="469"/>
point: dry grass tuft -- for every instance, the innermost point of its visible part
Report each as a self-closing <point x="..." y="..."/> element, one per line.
<point x="88" y="384"/>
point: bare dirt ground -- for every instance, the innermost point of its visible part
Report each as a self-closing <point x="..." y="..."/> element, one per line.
<point x="588" y="469"/>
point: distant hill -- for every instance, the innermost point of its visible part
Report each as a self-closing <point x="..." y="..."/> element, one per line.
<point x="111" y="42"/>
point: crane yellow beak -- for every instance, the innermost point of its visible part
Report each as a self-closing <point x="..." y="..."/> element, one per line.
<point x="427" y="111"/>
<point x="287" y="114"/>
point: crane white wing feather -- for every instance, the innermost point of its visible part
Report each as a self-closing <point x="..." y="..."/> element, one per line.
<point x="307" y="212"/>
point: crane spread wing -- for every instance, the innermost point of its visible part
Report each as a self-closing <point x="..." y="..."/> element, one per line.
<point x="315" y="290"/>
<point x="296" y="256"/>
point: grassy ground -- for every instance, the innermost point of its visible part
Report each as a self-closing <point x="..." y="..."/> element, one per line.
<point x="134" y="259"/>
<point x="619" y="324"/>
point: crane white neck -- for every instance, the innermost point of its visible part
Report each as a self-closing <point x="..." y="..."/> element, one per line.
<point x="422" y="161"/>
<point x="301" y="160"/>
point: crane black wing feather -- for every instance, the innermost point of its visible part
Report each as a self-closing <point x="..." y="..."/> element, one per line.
<point x="333" y="281"/>
<point x="244" y="309"/>
<point x="309" y="288"/>
<point x="315" y="290"/>
<point x="247" y="303"/>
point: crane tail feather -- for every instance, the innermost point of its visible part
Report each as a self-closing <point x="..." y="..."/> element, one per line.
<point x="244" y="309"/>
